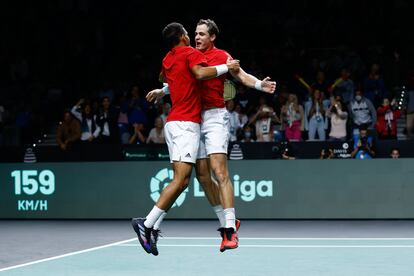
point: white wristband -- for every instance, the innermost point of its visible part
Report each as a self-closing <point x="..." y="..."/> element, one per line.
<point x="221" y="69"/>
<point x="258" y="85"/>
<point x="166" y="89"/>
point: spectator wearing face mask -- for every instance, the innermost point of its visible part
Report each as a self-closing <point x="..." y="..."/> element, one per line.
<point x="362" y="112"/>
<point x="247" y="134"/>
<point x="387" y="120"/>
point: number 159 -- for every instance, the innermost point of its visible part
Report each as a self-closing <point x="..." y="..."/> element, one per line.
<point x="30" y="182"/>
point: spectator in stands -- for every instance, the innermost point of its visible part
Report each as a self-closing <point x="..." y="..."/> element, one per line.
<point x="264" y="119"/>
<point x="387" y="115"/>
<point x="245" y="98"/>
<point x="338" y="118"/>
<point x="345" y="86"/>
<point x="327" y="153"/>
<point x="280" y="100"/>
<point x="137" y="107"/>
<point x="320" y="83"/>
<point x="89" y="127"/>
<point x="247" y="135"/>
<point x="123" y="122"/>
<point x="234" y="122"/>
<point x="292" y="116"/>
<point x="363" y="145"/>
<point x="243" y="119"/>
<point x="166" y="108"/>
<point x="395" y="153"/>
<point x="315" y="117"/>
<point x="362" y="112"/>
<point x="156" y="134"/>
<point x="138" y="137"/>
<point x="374" y="87"/>
<point x="68" y="132"/>
<point x="108" y="122"/>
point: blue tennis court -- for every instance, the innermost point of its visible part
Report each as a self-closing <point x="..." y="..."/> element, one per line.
<point x="338" y="248"/>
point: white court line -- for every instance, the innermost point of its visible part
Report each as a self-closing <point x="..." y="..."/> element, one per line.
<point x="278" y="246"/>
<point x="66" y="255"/>
<point x="310" y="239"/>
<point x="122" y="243"/>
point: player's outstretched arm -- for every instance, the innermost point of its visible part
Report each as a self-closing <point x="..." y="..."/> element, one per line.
<point x="203" y="73"/>
<point x="155" y="95"/>
<point x="265" y="85"/>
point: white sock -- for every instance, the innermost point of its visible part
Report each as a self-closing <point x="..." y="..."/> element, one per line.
<point x="159" y="220"/>
<point x="230" y="215"/>
<point x="153" y="217"/>
<point x="218" y="209"/>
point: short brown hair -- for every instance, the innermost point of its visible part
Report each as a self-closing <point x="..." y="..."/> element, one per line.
<point x="211" y="26"/>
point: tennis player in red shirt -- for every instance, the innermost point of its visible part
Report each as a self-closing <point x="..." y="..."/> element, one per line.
<point x="212" y="154"/>
<point x="182" y="67"/>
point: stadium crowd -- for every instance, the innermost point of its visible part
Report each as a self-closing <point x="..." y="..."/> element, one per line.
<point x="90" y="88"/>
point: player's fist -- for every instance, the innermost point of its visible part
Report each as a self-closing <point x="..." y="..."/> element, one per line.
<point x="233" y="64"/>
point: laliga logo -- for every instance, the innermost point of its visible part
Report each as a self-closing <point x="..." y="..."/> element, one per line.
<point x="247" y="190"/>
<point x="160" y="181"/>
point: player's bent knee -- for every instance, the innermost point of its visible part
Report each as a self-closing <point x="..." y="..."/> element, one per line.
<point x="222" y="177"/>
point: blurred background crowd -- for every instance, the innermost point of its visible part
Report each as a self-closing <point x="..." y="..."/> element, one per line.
<point x="77" y="71"/>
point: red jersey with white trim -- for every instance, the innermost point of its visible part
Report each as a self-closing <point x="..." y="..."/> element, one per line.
<point x="185" y="98"/>
<point x="212" y="90"/>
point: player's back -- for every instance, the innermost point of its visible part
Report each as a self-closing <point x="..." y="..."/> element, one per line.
<point x="176" y="68"/>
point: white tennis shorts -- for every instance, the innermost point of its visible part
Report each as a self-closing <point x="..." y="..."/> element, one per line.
<point x="182" y="138"/>
<point x="215" y="132"/>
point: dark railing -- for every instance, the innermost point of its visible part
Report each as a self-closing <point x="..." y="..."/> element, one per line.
<point x="301" y="150"/>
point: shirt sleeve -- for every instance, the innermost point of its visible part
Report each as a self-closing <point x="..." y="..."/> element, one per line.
<point x="76" y="113"/>
<point x="196" y="58"/>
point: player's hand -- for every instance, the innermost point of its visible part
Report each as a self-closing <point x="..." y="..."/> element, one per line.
<point x="155" y="95"/>
<point x="233" y="64"/>
<point x="268" y="86"/>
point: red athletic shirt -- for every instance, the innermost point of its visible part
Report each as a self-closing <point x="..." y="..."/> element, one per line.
<point x="212" y="89"/>
<point x="176" y="68"/>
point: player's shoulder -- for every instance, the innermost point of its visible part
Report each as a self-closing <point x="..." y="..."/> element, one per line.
<point x="190" y="50"/>
<point x="218" y="51"/>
